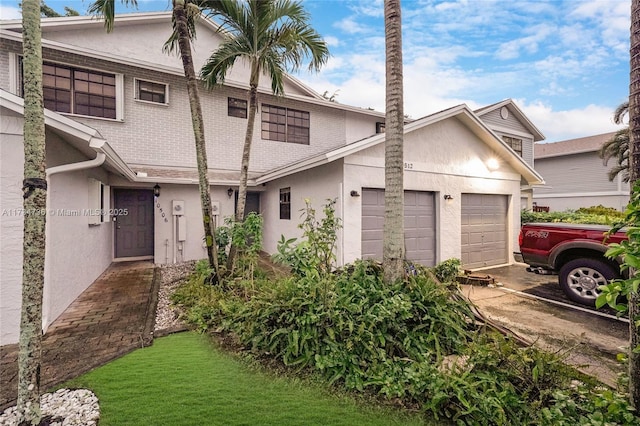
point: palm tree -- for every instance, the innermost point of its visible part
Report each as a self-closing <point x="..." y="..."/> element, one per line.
<point x="184" y="14"/>
<point x="618" y="146"/>
<point x="634" y="172"/>
<point x="35" y="203"/>
<point x="393" y="244"/>
<point x="272" y="36"/>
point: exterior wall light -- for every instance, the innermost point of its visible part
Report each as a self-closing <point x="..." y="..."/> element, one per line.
<point x="156" y="190"/>
<point x="448" y="197"/>
<point x="355" y="193"/>
<point x="493" y="164"/>
<point x="229" y="192"/>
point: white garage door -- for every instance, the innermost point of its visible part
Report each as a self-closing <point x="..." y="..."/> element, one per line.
<point x="484" y="230"/>
<point x="419" y="225"/>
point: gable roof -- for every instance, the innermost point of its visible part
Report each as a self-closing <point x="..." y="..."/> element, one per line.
<point x="517" y="112"/>
<point x="12" y="30"/>
<point x="84" y="138"/>
<point x="461" y="112"/>
<point x="571" y="146"/>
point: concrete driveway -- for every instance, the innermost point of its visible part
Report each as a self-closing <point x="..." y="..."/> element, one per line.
<point x="534" y="307"/>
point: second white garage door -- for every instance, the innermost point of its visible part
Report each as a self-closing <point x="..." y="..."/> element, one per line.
<point x="419" y="225"/>
<point x="484" y="230"/>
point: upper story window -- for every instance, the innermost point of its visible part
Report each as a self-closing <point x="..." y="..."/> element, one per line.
<point x="514" y="143"/>
<point x="72" y="90"/>
<point x="237" y="108"/>
<point x="285" y="124"/>
<point x="150" y="91"/>
<point x="380" y="127"/>
<point x="78" y="91"/>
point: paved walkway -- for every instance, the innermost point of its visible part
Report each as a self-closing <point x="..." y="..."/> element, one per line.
<point x="112" y="317"/>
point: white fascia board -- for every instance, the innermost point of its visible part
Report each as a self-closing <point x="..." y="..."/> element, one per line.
<point x="56" y="121"/>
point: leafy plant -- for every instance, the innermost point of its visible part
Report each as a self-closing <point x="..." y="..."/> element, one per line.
<point x="316" y="254"/>
<point x="246" y="237"/>
<point x="597" y="215"/>
<point x="629" y="250"/>
<point x="448" y="270"/>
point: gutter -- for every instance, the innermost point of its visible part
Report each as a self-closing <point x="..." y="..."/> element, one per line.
<point x="83" y="165"/>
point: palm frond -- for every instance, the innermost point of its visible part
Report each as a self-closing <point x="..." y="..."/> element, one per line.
<point x="105" y="9"/>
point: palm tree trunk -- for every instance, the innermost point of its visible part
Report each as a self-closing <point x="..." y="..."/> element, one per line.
<point x="393" y="244"/>
<point x="35" y="204"/>
<point x="634" y="172"/>
<point x="246" y="155"/>
<point x="180" y="17"/>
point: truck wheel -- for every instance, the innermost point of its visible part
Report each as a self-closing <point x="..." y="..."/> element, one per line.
<point x="580" y="279"/>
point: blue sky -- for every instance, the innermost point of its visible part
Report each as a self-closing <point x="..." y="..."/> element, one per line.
<point x="565" y="63"/>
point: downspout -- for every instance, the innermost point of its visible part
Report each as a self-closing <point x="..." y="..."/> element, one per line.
<point x="89" y="164"/>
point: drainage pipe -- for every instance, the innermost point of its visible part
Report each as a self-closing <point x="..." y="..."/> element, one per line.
<point x="83" y="165"/>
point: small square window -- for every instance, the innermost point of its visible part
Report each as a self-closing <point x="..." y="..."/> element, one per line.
<point x="514" y="143"/>
<point x="237" y="108"/>
<point x="380" y="127"/>
<point x="151" y="92"/>
<point x="285" y="203"/>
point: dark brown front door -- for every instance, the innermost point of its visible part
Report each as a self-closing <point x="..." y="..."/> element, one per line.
<point x="133" y="222"/>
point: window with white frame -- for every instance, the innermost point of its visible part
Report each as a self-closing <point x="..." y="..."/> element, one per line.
<point x="514" y="143"/>
<point x="285" y="124"/>
<point x="74" y="90"/>
<point x="150" y="91"/>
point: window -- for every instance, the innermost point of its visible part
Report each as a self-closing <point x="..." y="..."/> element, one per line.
<point x="285" y="125"/>
<point x="237" y="108"/>
<point x="380" y="127"/>
<point x="285" y="203"/>
<point x="514" y="143"/>
<point x="78" y="91"/>
<point x="98" y="211"/>
<point x="152" y="92"/>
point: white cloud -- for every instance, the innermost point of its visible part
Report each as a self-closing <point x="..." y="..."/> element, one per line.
<point x="9" y="12"/>
<point x="351" y="26"/>
<point x="332" y="41"/>
<point x="560" y="125"/>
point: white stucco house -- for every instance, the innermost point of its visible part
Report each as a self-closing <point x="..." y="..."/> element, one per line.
<point x="118" y="126"/>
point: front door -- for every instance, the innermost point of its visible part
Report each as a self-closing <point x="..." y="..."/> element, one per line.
<point x="133" y="222"/>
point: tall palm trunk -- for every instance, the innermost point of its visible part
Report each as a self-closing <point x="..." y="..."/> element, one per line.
<point x="182" y="29"/>
<point x="634" y="172"/>
<point x="35" y="204"/>
<point x="246" y="155"/>
<point x="393" y="244"/>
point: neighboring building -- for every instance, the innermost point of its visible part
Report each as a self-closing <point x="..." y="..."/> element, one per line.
<point x="118" y="125"/>
<point x="576" y="176"/>
<point x="519" y="133"/>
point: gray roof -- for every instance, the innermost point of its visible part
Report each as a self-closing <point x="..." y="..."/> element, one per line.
<point x="571" y="146"/>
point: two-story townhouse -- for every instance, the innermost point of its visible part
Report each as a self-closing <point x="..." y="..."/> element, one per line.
<point x="120" y="142"/>
<point x="576" y="176"/>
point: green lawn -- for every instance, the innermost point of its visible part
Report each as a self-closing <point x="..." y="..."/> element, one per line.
<point x="183" y="379"/>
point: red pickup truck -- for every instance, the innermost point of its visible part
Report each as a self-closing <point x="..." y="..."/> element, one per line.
<point x="575" y="252"/>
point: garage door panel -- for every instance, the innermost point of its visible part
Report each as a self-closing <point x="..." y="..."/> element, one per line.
<point x="484" y="230"/>
<point x="419" y="222"/>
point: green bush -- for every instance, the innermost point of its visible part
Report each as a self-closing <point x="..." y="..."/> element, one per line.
<point x="447" y="271"/>
<point x="597" y="215"/>
<point x="413" y="341"/>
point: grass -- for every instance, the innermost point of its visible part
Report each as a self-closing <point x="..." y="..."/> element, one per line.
<point x="183" y="379"/>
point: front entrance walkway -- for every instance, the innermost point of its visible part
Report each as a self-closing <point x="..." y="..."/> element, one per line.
<point x="111" y="318"/>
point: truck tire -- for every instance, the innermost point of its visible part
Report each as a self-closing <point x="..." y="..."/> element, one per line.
<point x="580" y="279"/>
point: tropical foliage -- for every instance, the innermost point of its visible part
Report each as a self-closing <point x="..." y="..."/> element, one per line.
<point x="617" y="147"/>
<point x="413" y="342"/>
<point x="272" y="36"/>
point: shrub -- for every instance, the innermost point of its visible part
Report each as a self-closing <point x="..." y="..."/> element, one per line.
<point x="597" y="215"/>
<point x="447" y="271"/>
